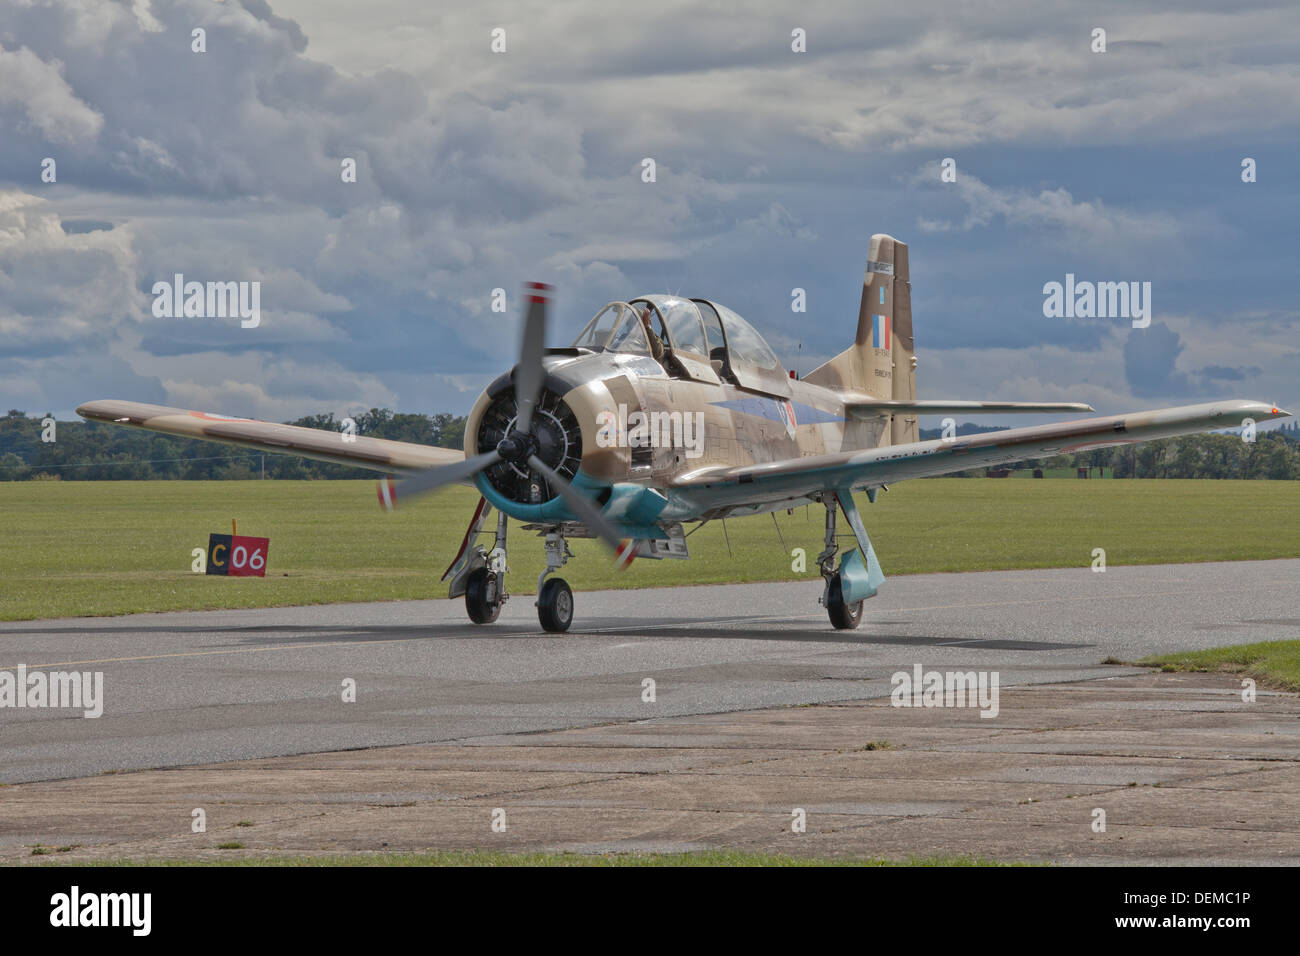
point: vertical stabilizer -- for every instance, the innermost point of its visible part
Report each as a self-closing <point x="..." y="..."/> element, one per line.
<point x="880" y="363"/>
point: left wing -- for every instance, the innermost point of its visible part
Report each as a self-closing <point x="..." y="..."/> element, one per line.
<point x="878" y="466"/>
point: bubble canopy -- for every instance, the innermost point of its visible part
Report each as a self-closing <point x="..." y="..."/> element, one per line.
<point x="615" y="328"/>
<point x="697" y="328"/>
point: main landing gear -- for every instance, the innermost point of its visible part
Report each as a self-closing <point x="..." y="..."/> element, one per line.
<point x="485" y="588"/>
<point x="844" y="616"/>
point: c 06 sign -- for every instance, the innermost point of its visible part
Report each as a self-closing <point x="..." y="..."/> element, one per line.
<point x="237" y="556"/>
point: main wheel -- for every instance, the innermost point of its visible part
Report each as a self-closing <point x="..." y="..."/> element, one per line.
<point x="845" y="617"/>
<point x="483" y="596"/>
<point x="555" y="605"/>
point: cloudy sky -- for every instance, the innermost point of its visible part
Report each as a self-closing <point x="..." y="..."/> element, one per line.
<point x="478" y="170"/>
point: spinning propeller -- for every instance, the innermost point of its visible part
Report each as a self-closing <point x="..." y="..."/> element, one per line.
<point x="520" y="445"/>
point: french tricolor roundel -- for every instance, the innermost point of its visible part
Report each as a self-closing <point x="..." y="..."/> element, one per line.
<point x="788" y="417"/>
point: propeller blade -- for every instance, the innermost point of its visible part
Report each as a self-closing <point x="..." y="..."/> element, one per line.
<point x="432" y="479"/>
<point x="530" y="372"/>
<point x="583" y="506"/>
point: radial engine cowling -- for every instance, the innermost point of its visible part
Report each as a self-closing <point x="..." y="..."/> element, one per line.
<point x="556" y="439"/>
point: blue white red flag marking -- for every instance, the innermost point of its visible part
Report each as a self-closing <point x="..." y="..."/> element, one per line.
<point x="880" y="331"/>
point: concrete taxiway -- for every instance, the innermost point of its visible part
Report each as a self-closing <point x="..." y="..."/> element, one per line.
<point x="1149" y="769"/>
<point x="193" y="688"/>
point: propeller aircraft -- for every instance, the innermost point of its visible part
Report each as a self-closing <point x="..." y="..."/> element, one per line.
<point x="667" y="411"/>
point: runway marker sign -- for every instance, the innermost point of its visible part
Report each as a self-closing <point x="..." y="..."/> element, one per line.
<point x="237" y="555"/>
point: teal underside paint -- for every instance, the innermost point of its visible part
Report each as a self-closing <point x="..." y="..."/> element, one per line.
<point x="632" y="509"/>
<point x="553" y="510"/>
<point x="859" y="579"/>
<point x="635" y="504"/>
<point x="855" y="579"/>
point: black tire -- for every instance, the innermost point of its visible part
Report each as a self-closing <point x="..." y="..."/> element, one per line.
<point x="555" y="605"/>
<point x="482" y="596"/>
<point x="844" y="617"/>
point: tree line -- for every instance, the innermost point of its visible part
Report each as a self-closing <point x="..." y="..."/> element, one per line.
<point x="94" y="451"/>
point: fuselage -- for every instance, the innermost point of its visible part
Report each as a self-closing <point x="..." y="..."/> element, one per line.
<point x="641" y="424"/>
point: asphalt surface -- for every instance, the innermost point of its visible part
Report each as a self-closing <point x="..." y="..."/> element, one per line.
<point x="200" y="687"/>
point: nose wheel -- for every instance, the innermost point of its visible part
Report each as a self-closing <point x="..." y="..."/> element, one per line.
<point x="555" y="605"/>
<point x="554" y="596"/>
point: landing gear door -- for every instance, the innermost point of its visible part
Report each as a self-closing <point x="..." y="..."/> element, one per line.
<point x="471" y="556"/>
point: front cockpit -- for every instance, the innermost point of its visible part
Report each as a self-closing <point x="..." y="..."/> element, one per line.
<point x="691" y="338"/>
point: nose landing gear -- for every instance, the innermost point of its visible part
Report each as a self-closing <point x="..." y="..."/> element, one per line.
<point x="555" y="597"/>
<point x="555" y="605"/>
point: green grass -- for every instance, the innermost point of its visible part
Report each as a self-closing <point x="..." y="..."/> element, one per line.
<point x="479" y="858"/>
<point x="90" y="548"/>
<point x="1271" y="663"/>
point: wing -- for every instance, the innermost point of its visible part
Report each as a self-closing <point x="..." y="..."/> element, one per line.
<point x="879" y="466"/>
<point x="377" y="454"/>
<point x="865" y="405"/>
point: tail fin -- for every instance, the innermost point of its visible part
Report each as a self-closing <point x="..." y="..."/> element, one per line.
<point x="882" y="360"/>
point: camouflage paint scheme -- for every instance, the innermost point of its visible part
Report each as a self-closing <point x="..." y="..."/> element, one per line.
<point x="769" y="441"/>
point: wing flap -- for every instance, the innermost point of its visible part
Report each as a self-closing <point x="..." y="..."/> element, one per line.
<point x="377" y="454"/>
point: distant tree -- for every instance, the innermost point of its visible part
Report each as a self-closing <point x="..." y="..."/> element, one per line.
<point x="13" y="468"/>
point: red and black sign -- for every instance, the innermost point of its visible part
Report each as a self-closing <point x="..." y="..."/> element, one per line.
<point x="237" y="556"/>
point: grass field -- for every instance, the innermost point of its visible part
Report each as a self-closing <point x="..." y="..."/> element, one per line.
<point x="475" y="858"/>
<point x="1273" y="664"/>
<point x="90" y="548"/>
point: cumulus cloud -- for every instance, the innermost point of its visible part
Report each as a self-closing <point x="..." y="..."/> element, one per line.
<point x="477" y="171"/>
<point x="1049" y="210"/>
<point x="37" y="90"/>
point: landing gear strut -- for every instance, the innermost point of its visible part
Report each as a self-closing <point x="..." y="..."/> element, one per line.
<point x="555" y="597"/>
<point x="485" y="590"/>
<point x="844" y="616"/>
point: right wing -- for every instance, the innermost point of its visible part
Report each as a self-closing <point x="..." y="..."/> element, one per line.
<point x="866" y="405"/>
<point x="377" y="454"/>
<point x="873" y="467"/>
